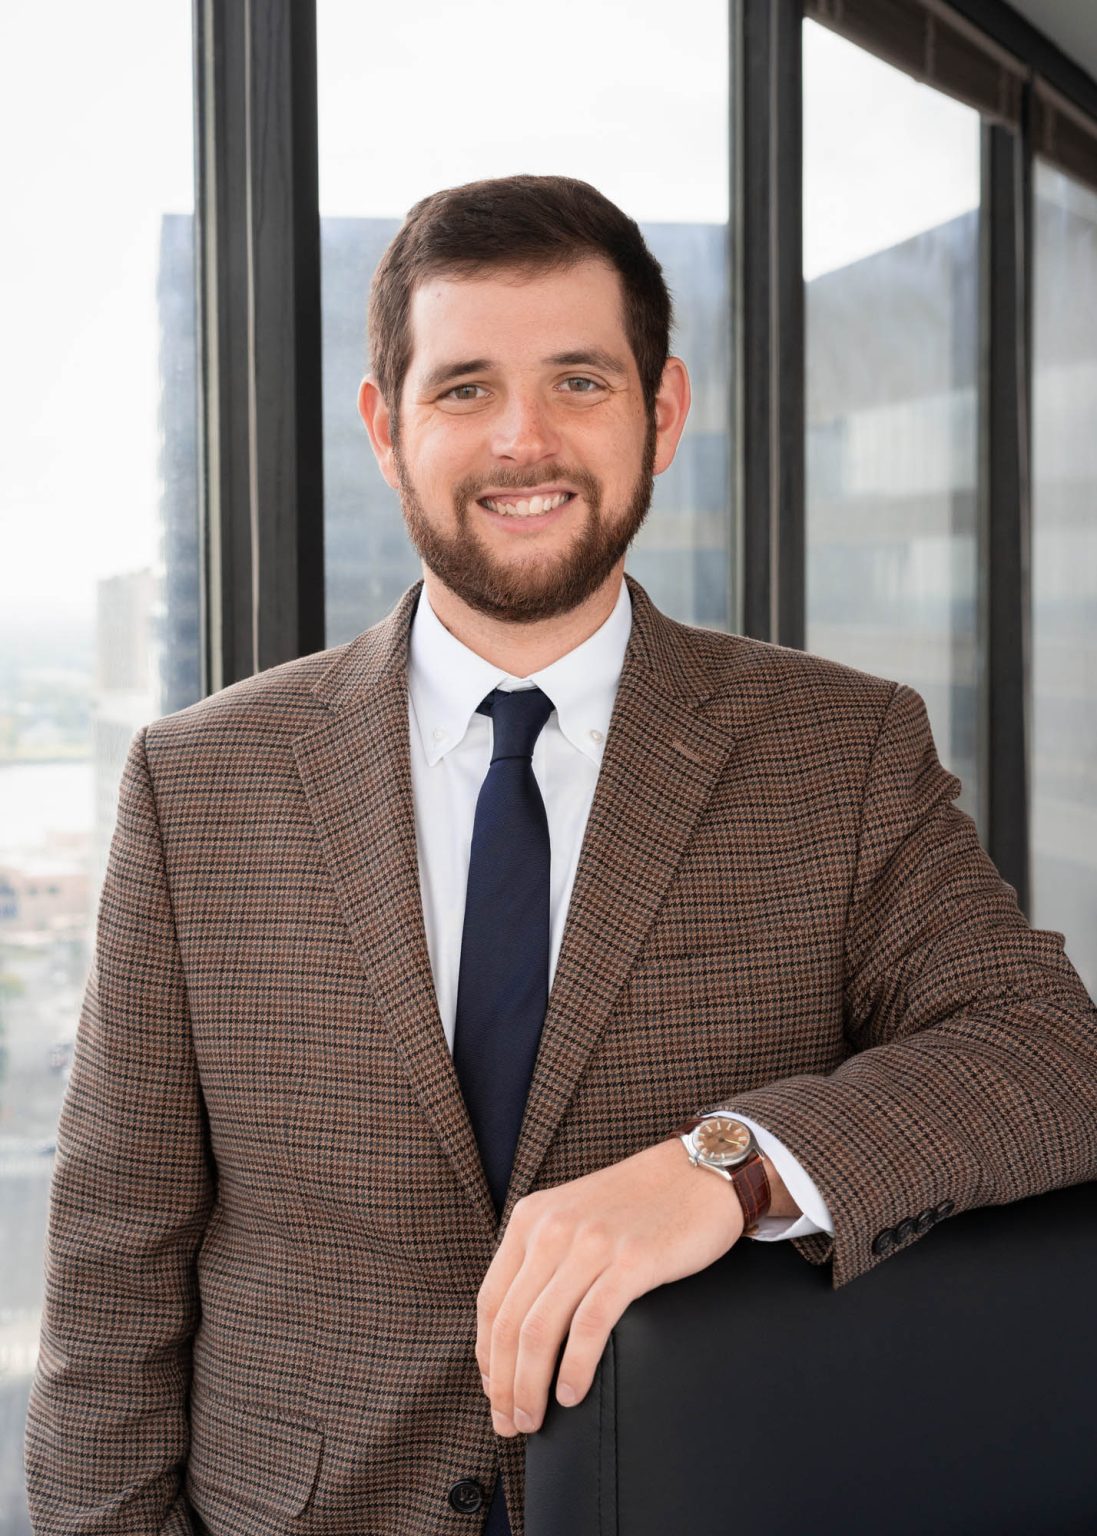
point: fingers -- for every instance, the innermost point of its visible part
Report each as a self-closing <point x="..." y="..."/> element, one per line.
<point x="512" y="1286"/>
<point x="496" y="1286"/>
<point x="580" y="1297"/>
<point x="584" y="1311"/>
<point x="520" y="1315"/>
<point x="525" y="1341"/>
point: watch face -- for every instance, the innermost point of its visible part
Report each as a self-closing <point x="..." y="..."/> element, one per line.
<point x="722" y="1140"/>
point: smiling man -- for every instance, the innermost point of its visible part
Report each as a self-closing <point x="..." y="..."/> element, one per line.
<point x="459" y="985"/>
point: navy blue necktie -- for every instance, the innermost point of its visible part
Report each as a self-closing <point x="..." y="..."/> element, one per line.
<point x="502" y="986"/>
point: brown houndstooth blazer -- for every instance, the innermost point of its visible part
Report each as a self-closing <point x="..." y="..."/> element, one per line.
<point x="268" y="1220"/>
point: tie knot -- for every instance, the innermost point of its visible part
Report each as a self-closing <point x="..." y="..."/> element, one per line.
<point x="517" y="717"/>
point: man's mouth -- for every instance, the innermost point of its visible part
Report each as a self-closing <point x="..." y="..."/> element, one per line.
<point x="512" y="504"/>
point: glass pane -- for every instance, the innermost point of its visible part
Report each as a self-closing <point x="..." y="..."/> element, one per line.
<point x="99" y="575"/>
<point x="1064" y="567"/>
<point x="644" y="117"/>
<point x="891" y="195"/>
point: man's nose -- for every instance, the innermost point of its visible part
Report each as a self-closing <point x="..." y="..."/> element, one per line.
<point x="524" y="430"/>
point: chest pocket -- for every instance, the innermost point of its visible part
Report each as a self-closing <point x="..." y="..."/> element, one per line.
<point x="718" y="1021"/>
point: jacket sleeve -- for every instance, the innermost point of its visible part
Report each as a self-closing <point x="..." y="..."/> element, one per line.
<point x="973" y="1074"/>
<point x="107" y="1426"/>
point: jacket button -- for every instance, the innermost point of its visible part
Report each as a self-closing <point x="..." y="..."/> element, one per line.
<point x="925" y="1221"/>
<point x="466" y="1496"/>
<point x="905" y="1229"/>
<point x="884" y="1241"/>
<point x="945" y="1208"/>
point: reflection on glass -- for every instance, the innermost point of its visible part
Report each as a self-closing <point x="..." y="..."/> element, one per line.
<point x="1064" y="567"/>
<point x="891" y="194"/>
<point x="467" y="72"/>
<point x="99" y="575"/>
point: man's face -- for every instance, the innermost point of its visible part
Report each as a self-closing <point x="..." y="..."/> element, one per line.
<point x="523" y="386"/>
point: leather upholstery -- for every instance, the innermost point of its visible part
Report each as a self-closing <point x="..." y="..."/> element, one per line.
<point x="949" y="1391"/>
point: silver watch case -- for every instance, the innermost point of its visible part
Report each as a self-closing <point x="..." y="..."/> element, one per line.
<point x="720" y="1143"/>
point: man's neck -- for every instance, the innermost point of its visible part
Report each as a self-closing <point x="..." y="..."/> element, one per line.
<point x="522" y="649"/>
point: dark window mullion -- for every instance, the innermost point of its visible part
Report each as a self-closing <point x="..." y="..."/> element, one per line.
<point x="1005" y="490"/>
<point x="259" y="301"/>
<point x="221" y="272"/>
<point x="769" y="313"/>
<point x="287" y="482"/>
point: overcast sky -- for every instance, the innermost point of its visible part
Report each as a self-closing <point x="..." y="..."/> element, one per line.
<point x="96" y="128"/>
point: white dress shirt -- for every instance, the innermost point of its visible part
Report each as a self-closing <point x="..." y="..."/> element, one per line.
<point x="450" y="756"/>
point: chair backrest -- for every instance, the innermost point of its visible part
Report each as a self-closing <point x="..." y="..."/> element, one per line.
<point x="952" y="1390"/>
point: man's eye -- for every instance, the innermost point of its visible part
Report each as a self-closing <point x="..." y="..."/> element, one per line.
<point x="456" y="392"/>
<point x="592" y="383"/>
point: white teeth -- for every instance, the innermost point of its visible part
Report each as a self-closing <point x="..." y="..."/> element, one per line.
<point x="534" y="507"/>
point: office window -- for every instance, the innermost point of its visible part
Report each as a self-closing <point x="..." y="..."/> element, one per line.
<point x="637" y="104"/>
<point x="1063" y="737"/>
<point x="891" y="207"/>
<point x="99" y="567"/>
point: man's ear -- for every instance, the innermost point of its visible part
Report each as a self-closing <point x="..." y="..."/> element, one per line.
<point x="672" y="403"/>
<point x="378" y="419"/>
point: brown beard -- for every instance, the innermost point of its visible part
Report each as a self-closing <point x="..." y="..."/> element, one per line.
<point x="541" y="589"/>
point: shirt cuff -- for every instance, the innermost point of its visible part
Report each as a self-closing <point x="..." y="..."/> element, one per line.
<point x="814" y="1214"/>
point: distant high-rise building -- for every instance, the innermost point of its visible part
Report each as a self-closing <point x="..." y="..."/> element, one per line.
<point x="177" y="419"/>
<point x="126" y="694"/>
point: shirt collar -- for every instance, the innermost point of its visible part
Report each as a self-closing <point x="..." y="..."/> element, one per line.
<point x="446" y="681"/>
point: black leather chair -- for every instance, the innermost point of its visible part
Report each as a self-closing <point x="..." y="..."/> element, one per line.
<point x="951" y="1391"/>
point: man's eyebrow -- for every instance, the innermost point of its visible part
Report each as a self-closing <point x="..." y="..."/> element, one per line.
<point x="446" y="371"/>
<point x="593" y="357"/>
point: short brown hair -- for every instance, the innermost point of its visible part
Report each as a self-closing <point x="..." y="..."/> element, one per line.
<point x="531" y="222"/>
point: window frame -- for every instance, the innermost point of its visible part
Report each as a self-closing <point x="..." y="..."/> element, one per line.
<point x="257" y="249"/>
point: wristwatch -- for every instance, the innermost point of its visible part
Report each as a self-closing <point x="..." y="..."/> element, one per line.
<point x="718" y="1141"/>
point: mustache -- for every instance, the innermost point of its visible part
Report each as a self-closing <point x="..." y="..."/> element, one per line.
<point x="472" y="486"/>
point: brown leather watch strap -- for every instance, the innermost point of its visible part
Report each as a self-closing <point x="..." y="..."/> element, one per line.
<point x="752" y="1187"/>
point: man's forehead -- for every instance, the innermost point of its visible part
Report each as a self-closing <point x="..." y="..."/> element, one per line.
<point x="508" y="307"/>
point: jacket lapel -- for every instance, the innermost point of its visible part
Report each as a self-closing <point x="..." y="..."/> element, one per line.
<point x="356" y="770"/>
